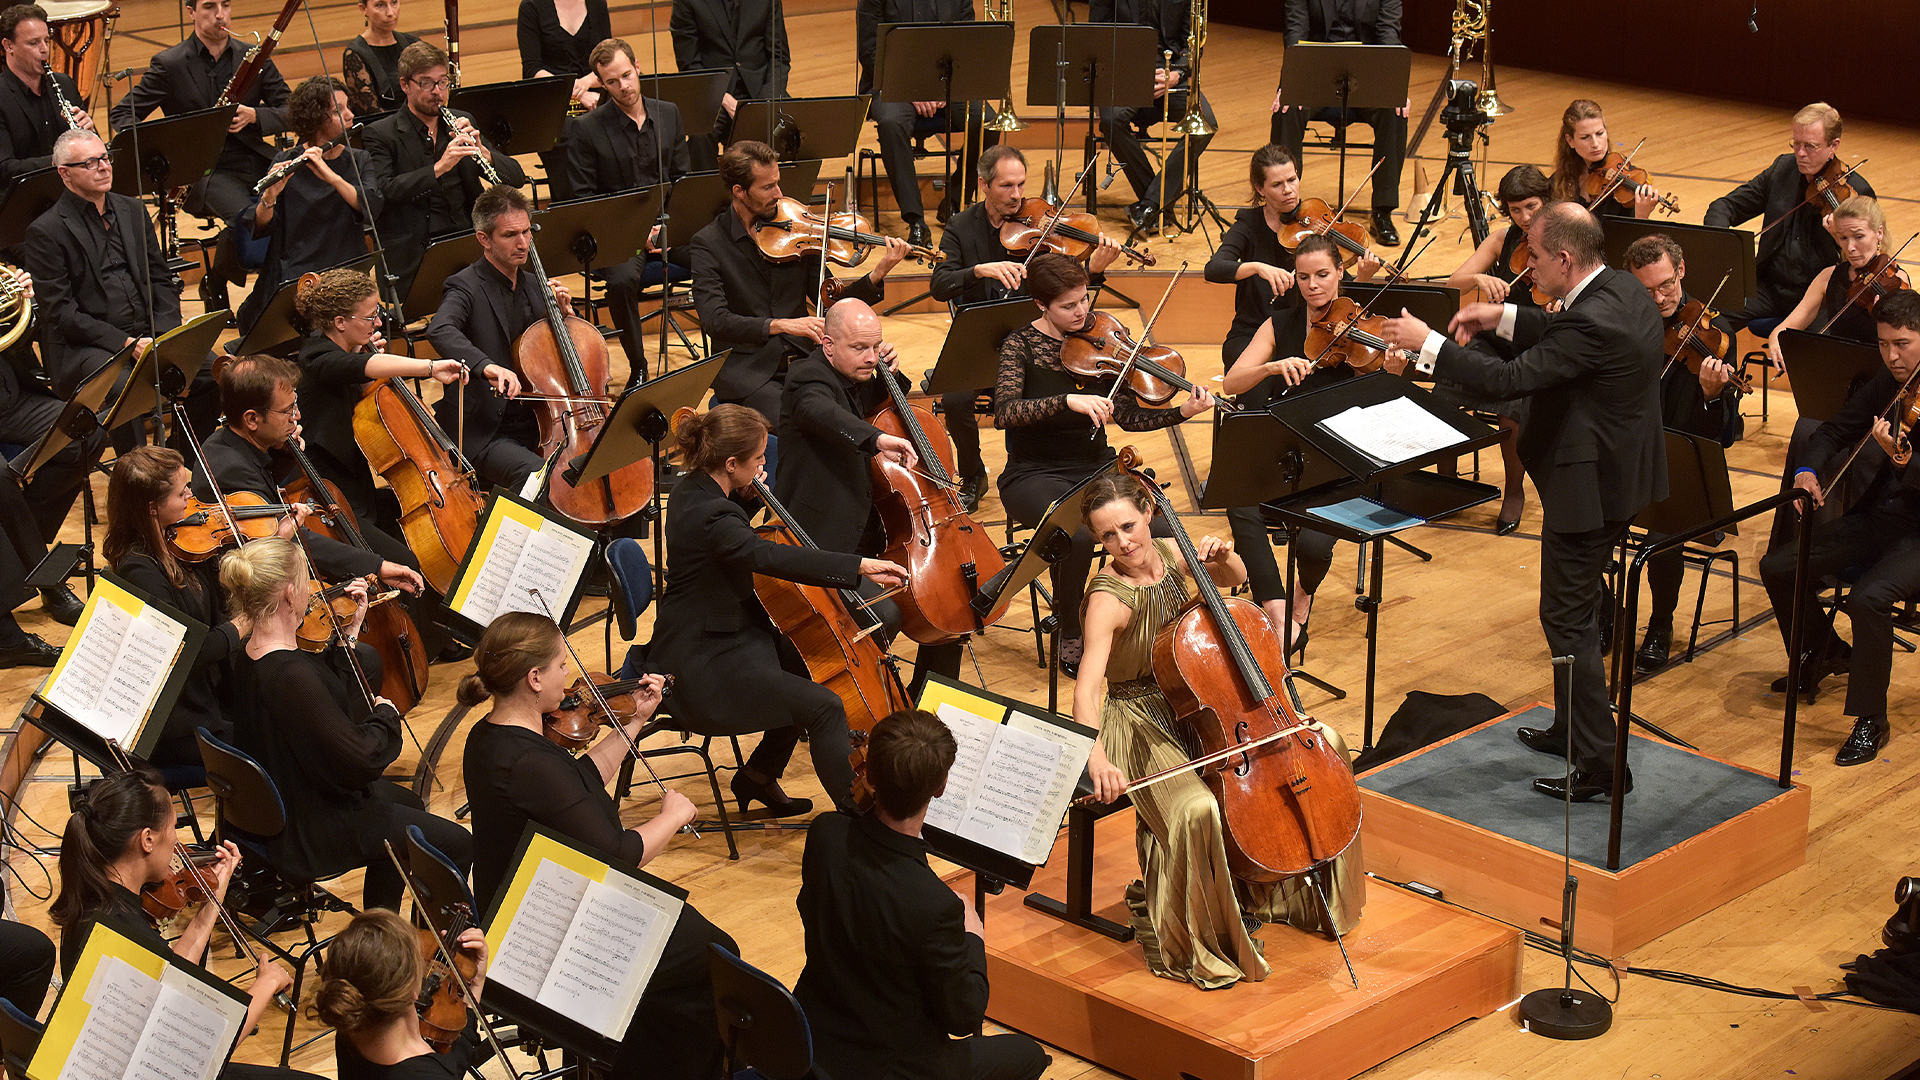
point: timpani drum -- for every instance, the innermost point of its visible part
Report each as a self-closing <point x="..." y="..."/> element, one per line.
<point x="78" y="33"/>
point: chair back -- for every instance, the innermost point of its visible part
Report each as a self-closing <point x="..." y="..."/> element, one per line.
<point x="439" y="883"/>
<point x="632" y="576"/>
<point x="19" y="1038"/>
<point x="760" y="1023"/>
<point x="249" y="801"/>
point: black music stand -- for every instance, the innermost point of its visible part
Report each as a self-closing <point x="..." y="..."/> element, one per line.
<point x="273" y="332"/>
<point x="1825" y="370"/>
<point x="523" y="117"/>
<point x="600" y="230"/>
<point x="1345" y="75"/>
<point x="970" y="358"/>
<point x="694" y="93"/>
<point x="27" y="198"/>
<point x="1711" y="253"/>
<point x="1095" y="65"/>
<point x="822" y="127"/>
<point x="964" y="62"/>
<point x="1434" y="305"/>
<point x="156" y="156"/>
<point x="444" y="257"/>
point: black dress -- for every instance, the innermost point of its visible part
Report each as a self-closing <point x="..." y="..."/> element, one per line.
<point x="372" y="74"/>
<point x="514" y="776"/>
<point x="1855" y="322"/>
<point x="1249" y="240"/>
<point x="200" y="703"/>
<point x="349" y="1065"/>
<point x="312" y="228"/>
<point x="546" y="45"/>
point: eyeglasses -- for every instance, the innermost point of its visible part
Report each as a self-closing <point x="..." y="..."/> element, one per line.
<point x="433" y="84"/>
<point x="95" y="162"/>
<point x="1806" y="147"/>
<point x="370" y="320"/>
<point x="288" y="411"/>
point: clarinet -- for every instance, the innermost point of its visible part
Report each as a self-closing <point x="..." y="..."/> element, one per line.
<point x="453" y="131"/>
<point x="66" y="107"/>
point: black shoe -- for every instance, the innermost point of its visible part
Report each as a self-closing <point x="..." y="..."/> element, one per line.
<point x="1584" y="784"/>
<point x="918" y="235"/>
<point x="213" y="293"/>
<point x="1506" y="528"/>
<point x="61" y="605"/>
<point x="33" y="652"/>
<point x="777" y="802"/>
<point x="1383" y="230"/>
<point x="1811" y="672"/>
<point x="945" y="212"/>
<point x="1544" y="740"/>
<point x="1144" y="215"/>
<point x="972" y="489"/>
<point x="1300" y="638"/>
<point x="453" y="652"/>
<point x="1655" y="648"/>
<point x="1869" y="736"/>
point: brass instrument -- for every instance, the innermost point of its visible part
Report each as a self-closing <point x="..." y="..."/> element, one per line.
<point x="1004" y="119"/>
<point x="1489" y="100"/>
<point x="60" y="99"/>
<point x="1194" y="123"/>
<point x="16" y="305"/>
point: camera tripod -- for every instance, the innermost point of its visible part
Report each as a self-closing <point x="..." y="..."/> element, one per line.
<point x="1462" y="126"/>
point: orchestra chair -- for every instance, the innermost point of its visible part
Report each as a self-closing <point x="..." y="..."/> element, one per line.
<point x="249" y="812"/>
<point x="666" y="718"/>
<point x="19" y="1038"/>
<point x="632" y="592"/>
<point x="761" y="1025"/>
<point x="1758" y="358"/>
<point x="1698" y="491"/>
<point x="869" y="170"/>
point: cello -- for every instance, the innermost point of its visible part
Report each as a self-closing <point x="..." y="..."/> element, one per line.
<point x="439" y="508"/>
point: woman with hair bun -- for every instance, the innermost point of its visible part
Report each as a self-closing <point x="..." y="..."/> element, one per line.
<point x="369" y="987"/>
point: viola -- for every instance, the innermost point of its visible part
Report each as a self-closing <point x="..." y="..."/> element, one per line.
<point x="1905" y="415"/>
<point x="572" y="724"/>
<point x="439" y="503"/>
<point x="441" y="1004"/>
<point x="794" y="231"/>
<point x="1315" y="218"/>
<point x="1872" y="283"/>
<point x="1828" y="188"/>
<point x="1521" y="265"/>
<point x="1619" y="178"/>
<point x="1346" y="334"/>
<point x="1102" y="348"/>
<point x="1692" y="340"/>
<point x="1039" y="224"/>
<point x="182" y="888"/>
<point x="208" y="527"/>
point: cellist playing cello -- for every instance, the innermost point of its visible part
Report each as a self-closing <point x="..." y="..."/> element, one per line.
<point x="1193" y="918"/>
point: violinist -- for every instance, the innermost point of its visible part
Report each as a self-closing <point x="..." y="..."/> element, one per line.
<point x="1193" y="917"/>
<point x="1046" y="412"/>
<point x="370" y="64"/>
<point x="484" y="310"/>
<point x="752" y="305"/>
<point x="1704" y="404"/>
<point x="1794" y="243"/>
<point x="1581" y="151"/>
<point x="733" y="673"/>
<point x="120" y="839"/>
<point x="321" y="733"/>
<point x="1120" y="126"/>
<point x="895" y="985"/>
<point x="974" y="268"/>
<point x="369" y="994"/>
<point x="514" y="774"/>
<point x="1880" y="532"/>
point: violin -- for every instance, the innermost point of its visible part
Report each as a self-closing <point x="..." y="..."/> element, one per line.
<point x="1102" y="348"/>
<point x="208" y="527"/>
<point x="329" y="605"/>
<point x="1315" y="218"/>
<point x="572" y="724"/>
<point x="1828" y="188"/>
<point x="441" y="1004"/>
<point x="182" y="888"/>
<point x="1877" y="280"/>
<point x="1520" y="264"/>
<point x="794" y="231"/>
<point x="1619" y="178"/>
<point x="1039" y="225"/>
<point x="1905" y="414"/>
<point x="1692" y="340"/>
<point x="1346" y="334"/>
<point x="440" y="505"/>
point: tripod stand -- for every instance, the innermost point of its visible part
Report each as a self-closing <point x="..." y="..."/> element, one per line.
<point x="1191" y="208"/>
<point x="1464" y="122"/>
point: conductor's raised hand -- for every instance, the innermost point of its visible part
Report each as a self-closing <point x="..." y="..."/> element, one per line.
<point x="883" y="573"/>
<point x="1406" y="331"/>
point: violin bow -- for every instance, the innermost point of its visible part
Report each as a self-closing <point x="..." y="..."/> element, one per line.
<point x="1620" y="175"/>
<point x="1893" y="266"/>
<point x="1394" y="273"/>
<point x="426" y="913"/>
<point x="1133" y="355"/>
<point x="1365" y="310"/>
<point x="1692" y="331"/>
<point x="820" y="276"/>
<point x="1060" y="209"/>
<point x="1885" y="414"/>
<point x="599" y="700"/>
<point x="1808" y="201"/>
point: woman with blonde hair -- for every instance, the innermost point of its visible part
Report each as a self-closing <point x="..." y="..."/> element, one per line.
<point x="1859" y="226"/>
<point x="369" y="988"/>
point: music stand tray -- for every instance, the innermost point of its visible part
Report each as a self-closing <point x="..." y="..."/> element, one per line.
<point x="1257" y="459"/>
<point x="523" y="117"/>
<point x="1108" y="65"/>
<point x="639" y="422"/>
<point x="1303" y="414"/>
<point x="273" y="331"/>
<point x="829" y="127"/>
<point x="694" y="93"/>
<point x="173" y="151"/>
<point x="970" y="358"/>
<point x="1711" y="252"/>
<point x="27" y="198"/>
<point x="444" y="258"/>
<point x="1824" y="370"/>
<point x="597" y="231"/>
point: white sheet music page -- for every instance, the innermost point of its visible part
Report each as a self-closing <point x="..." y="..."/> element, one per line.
<point x="609" y="953"/>
<point x="1075" y="748"/>
<point x="117" y="664"/>
<point x="188" y="1032"/>
<point x="538" y="928"/>
<point x="1010" y="792"/>
<point x="119" y="998"/>
<point x="975" y="736"/>
<point x="551" y="560"/>
<point x="1392" y="431"/>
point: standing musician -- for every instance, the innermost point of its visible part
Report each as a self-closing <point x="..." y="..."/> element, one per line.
<point x="556" y="38"/>
<point x="1121" y="127"/>
<point x="1193" y="917"/>
<point x="370" y="64"/>
<point x="748" y="39"/>
<point x="1583" y="149"/>
<point x="485" y="309"/>
<point x="974" y="268"/>
<point x="1705" y="404"/>
<point x="733" y="672"/>
<point x="752" y="305"/>
<point x="1592" y="443"/>
<point x="896" y="979"/>
<point x="30" y="114"/>
<point x="1369" y="22"/>
<point x="1795" y="243"/>
<point x="1046" y="410"/>
<point x="370" y="994"/>
<point x="514" y="774"/>
<point x="429" y="177"/>
<point x="630" y="142"/>
<point x="192" y="76"/>
<point x="1880" y="533"/>
<point x="310" y="214"/>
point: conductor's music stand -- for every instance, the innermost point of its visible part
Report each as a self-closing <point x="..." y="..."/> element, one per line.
<point x="964" y="62"/>
<point x="1319" y="74"/>
<point x="155" y="156"/>
<point x="27" y="198"/>
<point x="822" y="127"/>
<point x="273" y="333"/>
<point x="523" y="117"/>
<point x="1095" y="65"/>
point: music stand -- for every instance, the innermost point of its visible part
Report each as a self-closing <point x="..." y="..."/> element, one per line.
<point x="1710" y="251"/>
<point x="1434" y="305"/>
<point x="1096" y="65"/>
<point x="1319" y="74"/>
<point x="274" y="331"/>
<point x="582" y="231"/>
<point x="523" y="117"/>
<point x="970" y="358"/>
<point x="824" y="127"/>
<point x="694" y="93"/>
<point x="964" y="62"/>
<point x="155" y="156"/>
<point x="79" y="418"/>
<point x="27" y="198"/>
<point x="697" y="198"/>
<point x="1824" y="370"/>
<point x="443" y="258"/>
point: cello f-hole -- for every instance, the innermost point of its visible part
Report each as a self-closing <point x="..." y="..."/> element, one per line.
<point x="1241" y="733"/>
<point x="436" y="492"/>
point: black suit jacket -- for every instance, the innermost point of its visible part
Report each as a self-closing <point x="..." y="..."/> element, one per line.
<point x="471" y="328"/>
<point x="1893" y="494"/>
<point x="705" y="36"/>
<point x="403" y="167"/>
<point x="825" y="444"/>
<point x="66" y="284"/>
<point x="1793" y="252"/>
<point x="238" y="465"/>
<point x="26" y="136"/>
<point x="1375" y="22"/>
<point x="1592" y="441"/>
<point x="891" y="970"/>
<point x="1169" y="17"/>
<point x="597" y="149"/>
<point x="969" y="240"/>
<point x="177" y="82"/>
<point x="870" y="15"/>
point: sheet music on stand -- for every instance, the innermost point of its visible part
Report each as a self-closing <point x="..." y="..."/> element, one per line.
<point x="135" y="1012"/>
<point x="518" y="547"/>
<point x="121" y="667"/>
<point x="1392" y="431"/>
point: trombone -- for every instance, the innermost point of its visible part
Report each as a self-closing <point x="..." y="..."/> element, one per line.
<point x="1004" y="119"/>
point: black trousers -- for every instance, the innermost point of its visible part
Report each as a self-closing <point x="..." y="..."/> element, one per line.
<point x="1312" y="556"/>
<point x="897" y="124"/>
<point x="625" y="282"/>
<point x="675" y="1034"/>
<point x="56" y="484"/>
<point x="383" y="887"/>
<point x="1120" y="128"/>
<point x="1573" y="567"/>
<point x="963" y="424"/>
<point x="1289" y="130"/>
<point x="1885" y="554"/>
<point x="26" y="966"/>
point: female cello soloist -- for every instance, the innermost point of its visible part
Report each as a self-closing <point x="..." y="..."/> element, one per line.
<point x="1192" y="917"/>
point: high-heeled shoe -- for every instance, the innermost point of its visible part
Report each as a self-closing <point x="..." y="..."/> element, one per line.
<point x="1300" y="638"/>
<point x="778" y="803"/>
<point x="1504" y="527"/>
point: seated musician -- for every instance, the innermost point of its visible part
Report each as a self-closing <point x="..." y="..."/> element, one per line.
<point x="27" y="958"/>
<point x="974" y="268"/>
<point x="316" y="723"/>
<point x="483" y="312"/>
<point x="896" y="979"/>
<point x="1251" y="257"/>
<point x="752" y="305"/>
<point x="1120" y="126"/>
<point x="1274" y="364"/>
<point x="370" y="64"/>
<point x="1046" y="412"/>
<point x="631" y="142"/>
<point x="826" y="444"/>
<point x="1193" y="918"/>
<point x="1582" y="150"/>
<point x="1876" y="542"/>
<point x="21" y="550"/>
<point x="897" y="122"/>
<point x="311" y="217"/>
<point x="30" y="115"/>
<point x="370" y="993"/>
<point x="1705" y="404"/>
<point x="1796" y="244"/>
<point x="119" y="840"/>
<point x="429" y="176"/>
<point x="745" y="38"/>
<point x="192" y="76"/>
<point x="733" y="672"/>
<point x="514" y="774"/>
<point x="1489" y="271"/>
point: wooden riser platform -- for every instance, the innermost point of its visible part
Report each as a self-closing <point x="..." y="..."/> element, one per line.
<point x="1484" y="869"/>
<point x="1424" y="967"/>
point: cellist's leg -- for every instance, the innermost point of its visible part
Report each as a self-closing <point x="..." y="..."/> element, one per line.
<point x="505" y="462"/>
